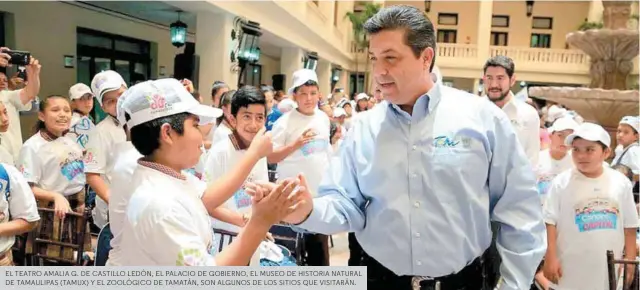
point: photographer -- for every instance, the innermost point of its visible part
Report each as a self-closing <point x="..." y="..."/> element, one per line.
<point x="18" y="100"/>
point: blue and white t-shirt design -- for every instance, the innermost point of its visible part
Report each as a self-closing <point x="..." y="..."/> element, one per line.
<point x="597" y="214"/>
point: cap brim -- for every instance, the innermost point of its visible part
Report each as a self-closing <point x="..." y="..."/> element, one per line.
<point x="206" y="114"/>
<point x="106" y="90"/>
<point x="571" y="137"/>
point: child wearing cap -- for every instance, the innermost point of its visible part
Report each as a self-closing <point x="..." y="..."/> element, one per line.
<point x="107" y="86"/>
<point x="168" y="207"/>
<point x="301" y="144"/>
<point x="81" y="123"/>
<point x="557" y="158"/>
<point x="589" y="210"/>
<point x="628" y="150"/>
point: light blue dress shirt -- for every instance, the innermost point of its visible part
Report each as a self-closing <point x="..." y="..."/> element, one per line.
<point x="419" y="190"/>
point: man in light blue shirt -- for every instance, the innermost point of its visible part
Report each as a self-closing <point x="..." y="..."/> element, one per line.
<point x="420" y="177"/>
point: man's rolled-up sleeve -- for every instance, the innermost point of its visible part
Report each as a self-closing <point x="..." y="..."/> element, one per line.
<point x="516" y="207"/>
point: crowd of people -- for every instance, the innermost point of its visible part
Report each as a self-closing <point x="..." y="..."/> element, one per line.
<point x="437" y="187"/>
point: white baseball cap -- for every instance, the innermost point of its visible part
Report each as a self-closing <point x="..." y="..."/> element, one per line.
<point x="564" y="123"/>
<point x="302" y="76"/>
<point x="555" y="113"/>
<point x="151" y="100"/>
<point x="78" y="90"/>
<point x="106" y="81"/>
<point x="339" y="112"/>
<point x="361" y="96"/>
<point x="590" y="132"/>
<point x="632" y="121"/>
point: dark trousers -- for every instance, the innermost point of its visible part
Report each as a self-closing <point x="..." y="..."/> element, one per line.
<point x="472" y="277"/>
<point x="317" y="248"/>
<point x="355" y="251"/>
<point x="494" y="260"/>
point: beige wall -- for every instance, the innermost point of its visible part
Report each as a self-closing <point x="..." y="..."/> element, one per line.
<point x="33" y="29"/>
<point x="270" y="67"/>
<point x="519" y="24"/>
<point x="567" y="17"/>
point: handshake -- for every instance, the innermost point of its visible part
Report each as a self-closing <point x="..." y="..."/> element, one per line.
<point x="287" y="201"/>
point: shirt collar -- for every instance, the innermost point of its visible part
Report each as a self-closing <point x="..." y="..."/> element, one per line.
<point x="48" y="136"/>
<point x="424" y="105"/>
<point x="237" y="142"/>
<point x="159" y="167"/>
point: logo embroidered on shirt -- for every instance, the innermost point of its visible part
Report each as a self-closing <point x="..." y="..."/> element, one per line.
<point x="444" y="142"/>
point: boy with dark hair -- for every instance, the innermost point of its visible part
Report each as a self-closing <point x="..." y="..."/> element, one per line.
<point x="589" y="210"/>
<point x="169" y="208"/>
<point x="301" y="144"/>
<point x="248" y="115"/>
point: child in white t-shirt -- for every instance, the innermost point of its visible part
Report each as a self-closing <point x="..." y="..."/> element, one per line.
<point x="107" y="86"/>
<point x="54" y="169"/>
<point x="5" y="155"/>
<point x="628" y="149"/>
<point x="168" y="207"/>
<point x="18" y="210"/>
<point x="248" y="116"/>
<point x="81" y="124"/>
<point x="557" y="158"/>
<point x="301" y="144"/>
<point x="589" y="210"/>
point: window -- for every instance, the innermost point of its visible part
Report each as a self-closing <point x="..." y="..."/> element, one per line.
<point x="540" y="40"/>
<point x="448" y="18"/>
<point x="500" y="21"/>
<point x="499" y="38"/>
<point x="447" y="36"/>
<point x="542" y="23"/>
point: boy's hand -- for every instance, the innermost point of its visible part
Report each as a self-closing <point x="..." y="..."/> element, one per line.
<point x="552" y="269"/>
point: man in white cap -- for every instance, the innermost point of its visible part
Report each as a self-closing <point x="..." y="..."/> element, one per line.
<point x="301" y="144"/>
<point x="107" y="86"/>
<point x="166" y="222"/>
<point x="81" y="124"/>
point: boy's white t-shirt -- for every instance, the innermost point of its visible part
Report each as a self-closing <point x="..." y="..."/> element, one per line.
<point x="120" y="193"/>
<point x="223" y="157"/>
<point x="313" y="158"/>
<point x="100" y="158"/>
<point x="590" y="215"/>
<point x="630" y="159"/>
<point x="80" y="129"/>
<point x="19" y="200"/>
<point x="53" y="165"/>
<point x="166" y="223"/>
<point x="548" y="168"/>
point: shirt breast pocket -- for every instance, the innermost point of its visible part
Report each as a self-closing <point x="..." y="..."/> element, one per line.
<point x="462" y="159"/>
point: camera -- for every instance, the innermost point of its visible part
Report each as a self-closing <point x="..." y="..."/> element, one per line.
<point x="20" y="58"/>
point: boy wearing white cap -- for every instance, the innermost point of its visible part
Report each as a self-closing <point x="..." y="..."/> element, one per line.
<point x="589" y="210"/>
<point x="107" y="86"/>
<point x="301" y="144"/>
<point x="628" y="150"/>
<point x="557" y="158"/>
<point x="166" y="206"/>
<point x="81" y="124"/>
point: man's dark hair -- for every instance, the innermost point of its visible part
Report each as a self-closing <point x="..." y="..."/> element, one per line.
<point x="245" y="96"/>
<point x="266" y="89"/>
<point x="419" y="32"/>
<point x="502" y="61"/>
<point x="309" y="83"/>
<point x="146" y="136"/>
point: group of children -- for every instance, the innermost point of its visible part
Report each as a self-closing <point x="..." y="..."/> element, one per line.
<point x="589" y="205"/>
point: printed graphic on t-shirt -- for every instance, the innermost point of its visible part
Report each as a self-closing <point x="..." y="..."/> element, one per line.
<point x="314" y="146"/>
<point x="544" y="183"/>
<point x="597" y="214"/>
<point x="72" y="166"/>
<point x="81" y="131"/>
<point x="241" y="198"/>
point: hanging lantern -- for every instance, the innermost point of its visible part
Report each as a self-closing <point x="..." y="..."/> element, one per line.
<point x="178" y="33"/>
